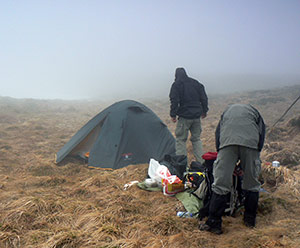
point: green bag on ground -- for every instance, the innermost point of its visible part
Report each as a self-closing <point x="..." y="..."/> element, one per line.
<point x="190" y="202"/>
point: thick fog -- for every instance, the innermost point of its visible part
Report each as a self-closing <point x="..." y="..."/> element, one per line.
<point x="130" y="49"/>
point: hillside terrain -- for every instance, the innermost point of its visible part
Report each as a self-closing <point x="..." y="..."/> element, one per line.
<point x="70" y="205"/>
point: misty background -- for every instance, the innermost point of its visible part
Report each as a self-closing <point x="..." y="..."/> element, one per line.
<point x="72" y="49"/>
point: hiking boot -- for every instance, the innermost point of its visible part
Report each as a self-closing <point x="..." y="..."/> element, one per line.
<point x="251" y="204"/>
<point x="249" y="222"/>
<point x="208" y="228"/>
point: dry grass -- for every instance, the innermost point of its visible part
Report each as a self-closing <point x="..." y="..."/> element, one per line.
<point x="45" y="205"/>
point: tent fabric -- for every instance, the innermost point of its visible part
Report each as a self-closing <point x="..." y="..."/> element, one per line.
<point x="126" y="132"/>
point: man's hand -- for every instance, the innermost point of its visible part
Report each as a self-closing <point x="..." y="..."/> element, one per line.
<point x="173" y="119"/>
<point x="203" y="116"/>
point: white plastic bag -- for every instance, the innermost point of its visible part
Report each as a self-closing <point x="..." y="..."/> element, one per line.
<point x="161" y="174"/>
<point x="153" y="170"/>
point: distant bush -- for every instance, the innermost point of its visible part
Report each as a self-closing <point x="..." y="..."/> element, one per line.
<point x="295" y="122"/>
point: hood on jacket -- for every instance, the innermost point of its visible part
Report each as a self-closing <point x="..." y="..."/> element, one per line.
<point x="180" y="74"/>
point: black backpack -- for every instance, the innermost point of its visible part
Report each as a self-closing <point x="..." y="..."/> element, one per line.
<point x="203" y="190"/>
<point x="177" y="164"/>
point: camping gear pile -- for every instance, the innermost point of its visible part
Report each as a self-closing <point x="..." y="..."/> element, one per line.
<point x="193" y="183"/>
<point x="160" y="173"/>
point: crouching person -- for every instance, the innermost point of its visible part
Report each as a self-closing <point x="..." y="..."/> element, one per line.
<point x="240" y="137"/>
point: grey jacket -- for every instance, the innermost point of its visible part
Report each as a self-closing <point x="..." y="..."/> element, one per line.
<point x="241" y="124"/>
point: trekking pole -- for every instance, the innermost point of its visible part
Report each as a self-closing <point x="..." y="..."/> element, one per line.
<point x="286" y="111"/>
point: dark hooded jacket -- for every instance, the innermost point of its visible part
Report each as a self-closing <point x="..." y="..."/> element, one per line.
<point x="187" y="96"/>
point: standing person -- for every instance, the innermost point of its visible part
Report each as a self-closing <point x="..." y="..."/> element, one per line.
<point x="240" y="137"/>
<point x="189" y="102"/>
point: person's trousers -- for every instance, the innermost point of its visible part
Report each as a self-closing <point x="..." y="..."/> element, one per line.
<point x="225" y="165"/>
<point x="223" y="171"/>
<point x="184" y="126"/>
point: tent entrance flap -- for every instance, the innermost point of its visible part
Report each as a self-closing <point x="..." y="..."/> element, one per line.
<point x="87" y="143"/>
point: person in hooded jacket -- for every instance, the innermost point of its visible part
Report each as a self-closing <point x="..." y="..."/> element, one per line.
<point x="188" y="104"/>
<point x="240" y="137"/>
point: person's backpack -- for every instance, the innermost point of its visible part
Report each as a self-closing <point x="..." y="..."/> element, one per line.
<point x="198" y="179"/>
<point x="203" y="189"/>
<point x="196" y="182"/>
<point x="177" y="164"/>
<point x="209" y="159"/>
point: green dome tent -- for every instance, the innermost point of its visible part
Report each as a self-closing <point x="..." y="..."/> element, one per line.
<point x="126" y="132"/>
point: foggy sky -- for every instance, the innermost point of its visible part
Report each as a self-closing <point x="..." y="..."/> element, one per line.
<point x="125" y="49"/>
